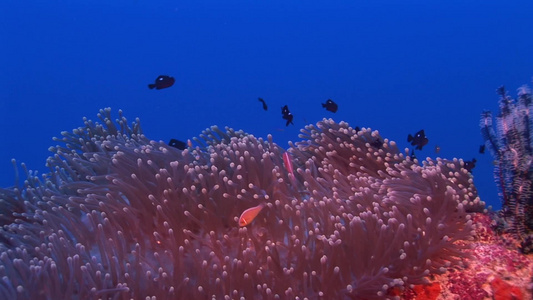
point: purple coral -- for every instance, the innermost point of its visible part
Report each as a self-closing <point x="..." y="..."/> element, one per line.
<point x="123" y="217"/>
<point x="512" y="146"/>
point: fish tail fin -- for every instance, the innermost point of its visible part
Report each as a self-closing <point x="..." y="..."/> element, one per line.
<point x="151" y="86"/>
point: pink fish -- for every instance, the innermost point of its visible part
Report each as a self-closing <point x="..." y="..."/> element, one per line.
<point x="288" y="163"/>
<point x="249" y="215"/>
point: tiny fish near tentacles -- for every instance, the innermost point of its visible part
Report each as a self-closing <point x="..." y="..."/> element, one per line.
<point x="290" y="169"/>
<point x="469" y="164"/>
<point x="177" y="144"/>
<point x="249" y="215"/>
<point x="288" y="163"/>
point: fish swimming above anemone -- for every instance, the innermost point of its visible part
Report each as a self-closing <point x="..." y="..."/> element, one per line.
<point x="162" y="82"/>
<point x="419" y="140"/>
<point x="331" y="106"/>
<point x="265" y="107"/>
<point x="287" y="115"/>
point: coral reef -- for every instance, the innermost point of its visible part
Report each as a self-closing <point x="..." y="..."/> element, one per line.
<point x="511" y="144"/>
<point x="494" y="269"/>
<point x="121" y="217"/>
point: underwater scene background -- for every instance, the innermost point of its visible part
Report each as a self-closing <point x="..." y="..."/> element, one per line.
<point x="395" y="67"/>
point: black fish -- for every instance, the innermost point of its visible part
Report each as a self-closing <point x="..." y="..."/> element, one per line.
<point x="286" y="115"/>
<point x="419" y="140"/>
<point x="482" y="149"/>
<point x="469" y="164"/>
<point x="177" y="144"/>
<point x="330" y="106"/>
<point x="161" y="82"/>
<point x="412" y="155"/>
<point x="378" y="143"/>
<point x="265" y="107"/>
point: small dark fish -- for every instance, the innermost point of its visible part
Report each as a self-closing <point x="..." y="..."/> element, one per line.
<point x="287" y="115"/>
<point x="419" y="140"/>
<point x="412" y="155"/>
<point x="161" y="82"/>
<point x="330" y="106"/>
<point x="378" y="143"/>
<point x="265" y="107"/>
<point x="482" y="149"/>
<point x="177" y="144"/>
<point x="437" y="149"/>
<point x="469" y="164"/>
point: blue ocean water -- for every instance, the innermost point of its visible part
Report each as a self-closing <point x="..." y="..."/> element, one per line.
<point x="394" y="66"/>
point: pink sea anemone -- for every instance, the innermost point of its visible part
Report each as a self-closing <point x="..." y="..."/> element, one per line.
<point x="120" y="217"/>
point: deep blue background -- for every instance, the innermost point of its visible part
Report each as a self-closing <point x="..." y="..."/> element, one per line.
<point x="395" y="66"/>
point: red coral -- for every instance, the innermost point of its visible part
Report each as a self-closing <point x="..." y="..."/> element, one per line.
<point x="483" y="226"/>
<point x="468" y="285"/>
<point x="427" y="291"/>
<point x="503" y="290"/>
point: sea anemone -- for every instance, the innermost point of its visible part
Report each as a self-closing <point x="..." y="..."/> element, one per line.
<point x="119" y="216"/>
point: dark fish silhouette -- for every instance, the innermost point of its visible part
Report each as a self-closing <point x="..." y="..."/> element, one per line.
<point x="412" y="155"/>
<point x="419" y="140"/>
<point x="469" y="164"/>
<point x="177" y="144"/>
<point x="437" y="149"/>
<point x="330" y="106"/>
<point x="265" y="107"/>
<point x="378" y="143"/>
<point x="482" y="149"/>
<point x="161" y="82"/>
<point x="286" y="115"/>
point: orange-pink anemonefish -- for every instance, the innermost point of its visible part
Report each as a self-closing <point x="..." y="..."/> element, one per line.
<point x="249" y="215"/>
<point x="288" y="163"/>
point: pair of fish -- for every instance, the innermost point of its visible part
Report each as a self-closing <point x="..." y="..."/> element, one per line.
<point x="162" y="82"/>
<point x="330" y="105"/>
<point x="285" y="113"/>
<point x="288" y="116"/>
